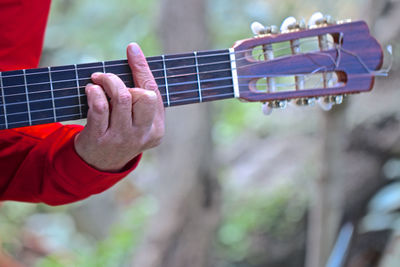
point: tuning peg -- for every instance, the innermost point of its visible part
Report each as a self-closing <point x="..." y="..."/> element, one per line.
<point x="326" y="106"/>
<point x="327" y="102"/>
<point x="301" y="24"/>
<point x="257" y="28"/>
<point x="288" y="24"/>
<point x="315" y="19"/>
<point x="305" y="101"/>
<point x="329" y="20"/>
<point x="336" y="99"/>
<point x="291" y="24"/>
<point x="278" y="104"/>
<point x="266" y="109"/>
<point x="269" y="106"/>
<point x="318" y="19"/>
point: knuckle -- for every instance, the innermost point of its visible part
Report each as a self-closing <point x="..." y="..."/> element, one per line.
<point x="100" y="107"/>
<point x="150" y="84"/>
<point x="124" y="98"/>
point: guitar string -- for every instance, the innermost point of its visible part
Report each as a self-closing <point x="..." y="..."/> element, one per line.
<point x="156" y="70"/>
<point x="336" y="62"/>
<point x="194" y="90"/>
<point x="123" y="74"/>
<point x="173" y="101"/>
<point x="306" y="78"/>
<point x="79" y="116"/>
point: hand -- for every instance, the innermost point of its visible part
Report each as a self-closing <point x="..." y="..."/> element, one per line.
<point x="131" y="122"/>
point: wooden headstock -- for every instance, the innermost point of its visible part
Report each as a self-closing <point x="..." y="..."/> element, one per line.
<point x="339" y="59"/>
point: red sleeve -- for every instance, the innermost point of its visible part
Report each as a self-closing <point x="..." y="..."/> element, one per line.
<point x="39" y="163"/>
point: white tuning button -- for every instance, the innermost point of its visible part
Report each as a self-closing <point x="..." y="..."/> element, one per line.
<point x="325" y="105"/>
<point x="287" y="23"/>
<point x="257" y="28"/>
<point x="315" y="18"/>
<point x="266" y="109"/>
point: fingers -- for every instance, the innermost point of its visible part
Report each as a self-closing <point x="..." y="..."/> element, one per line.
<point x="143" y="77"/>
<point x="121" y="100"/>
<point x="141" y="72"/>
<point x="98" y="113"/>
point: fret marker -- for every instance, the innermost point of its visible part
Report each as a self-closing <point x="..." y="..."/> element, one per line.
<point x="198" y="76"/>
<point x="4" y="103"/>
<point x="166" y="80"/>
<point x="27" y="98"/>
<point x="79" y="93"/>
<point x="234" y="73"/>
<point x="52" y="95"/>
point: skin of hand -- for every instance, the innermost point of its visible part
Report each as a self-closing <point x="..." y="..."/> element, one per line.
<point x="129" y="123"/>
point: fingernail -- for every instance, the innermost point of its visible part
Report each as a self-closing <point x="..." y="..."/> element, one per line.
<point x="134" y="48"/>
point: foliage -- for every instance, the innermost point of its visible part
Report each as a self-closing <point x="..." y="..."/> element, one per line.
<point x="84" y="31"/>
<point x="117" y="248"/>
<point x="276" y="214"/>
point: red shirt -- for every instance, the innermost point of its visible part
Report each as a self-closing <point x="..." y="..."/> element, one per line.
<point x="39" y="163"/>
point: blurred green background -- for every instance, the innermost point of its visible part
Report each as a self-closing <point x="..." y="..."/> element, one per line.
<point x="266" y="165"/>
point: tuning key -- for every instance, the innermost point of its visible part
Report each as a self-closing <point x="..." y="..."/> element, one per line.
<point x="259" y="29"/>
<point x="266" y="109"/>
<point x="335" y="99"/>
<point x="305" y="101"/>
<point x="278" y="104"/>
<point x="327" y="102"/>
<point x="269" y="106"/>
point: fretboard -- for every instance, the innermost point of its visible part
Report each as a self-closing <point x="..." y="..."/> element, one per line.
<point x="55" y="94"/>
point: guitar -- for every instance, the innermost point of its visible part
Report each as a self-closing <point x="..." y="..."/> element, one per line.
<point x="321" y="62"/>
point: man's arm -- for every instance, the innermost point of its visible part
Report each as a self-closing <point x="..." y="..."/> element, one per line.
<point x="61" y="164"/>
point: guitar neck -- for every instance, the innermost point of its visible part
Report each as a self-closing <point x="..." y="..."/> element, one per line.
<point x="55" y="94"/>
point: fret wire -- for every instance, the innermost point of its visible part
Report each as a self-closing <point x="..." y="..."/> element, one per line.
<point x="4" y="102"/>
<point x="52" y="95"/>
<point x="198" y="76"/>
<point x="195" y="99"/>
<point x="77" y="89"/>
<point x="166" y="80"/>
<point x="104" y="67"/>
<point x="83" y="105"/>
<point x="27" y="99"/>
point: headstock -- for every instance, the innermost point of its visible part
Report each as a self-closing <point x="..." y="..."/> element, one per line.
<point x="304" y="64"/>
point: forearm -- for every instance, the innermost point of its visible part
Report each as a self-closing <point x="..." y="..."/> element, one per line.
<point x="49" y="170"/>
